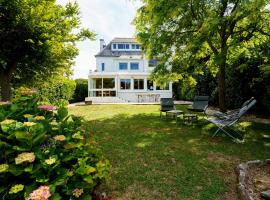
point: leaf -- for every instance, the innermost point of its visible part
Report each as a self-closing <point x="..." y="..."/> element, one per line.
<point x="22" y="135"/>
<point x="88" y="179"/>
<point x="56" y="196"/>
<point x="62" y="113"/>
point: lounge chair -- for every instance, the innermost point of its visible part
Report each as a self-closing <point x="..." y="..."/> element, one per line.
<point x="227" y="120"/>
<point x="200" y="104"/>
<point x="166" y="104"/>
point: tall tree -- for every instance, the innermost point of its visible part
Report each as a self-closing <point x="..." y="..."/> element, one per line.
<point x="202" y="33"/>
<point x="37" y="39"/>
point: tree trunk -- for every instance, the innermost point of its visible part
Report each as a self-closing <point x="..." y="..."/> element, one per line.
<point x="5" y="86"/>
<point x="221" y="88"/>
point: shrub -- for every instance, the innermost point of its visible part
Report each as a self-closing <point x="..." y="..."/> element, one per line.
<point x="45" y="151"/>
<point x="81" y="90"/>
<point x="57" y="90"/>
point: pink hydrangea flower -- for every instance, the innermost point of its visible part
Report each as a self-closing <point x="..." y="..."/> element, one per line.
<point x="47" y="107"/>
<point x="42" y="193"/>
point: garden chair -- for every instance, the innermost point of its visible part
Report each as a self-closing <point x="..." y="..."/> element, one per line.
<point x="226" y="123"/>
<point x="200" y="104"/>
<point x="166" y="104"/>
<point x="228" y="114"/>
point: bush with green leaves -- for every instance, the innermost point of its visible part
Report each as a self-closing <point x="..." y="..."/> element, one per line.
<point x="45" y="153"/>
<point x="81" y="90"/>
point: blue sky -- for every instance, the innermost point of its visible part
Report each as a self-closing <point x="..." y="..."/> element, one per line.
<point x="108" y="19"/>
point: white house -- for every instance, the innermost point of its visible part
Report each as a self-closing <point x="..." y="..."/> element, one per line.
<point x="122" y="73"/>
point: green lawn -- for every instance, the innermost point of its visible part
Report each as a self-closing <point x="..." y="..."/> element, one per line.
<point x="153" y="159"/>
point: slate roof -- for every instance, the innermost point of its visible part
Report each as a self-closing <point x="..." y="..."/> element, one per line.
<point x="107" y="52"/>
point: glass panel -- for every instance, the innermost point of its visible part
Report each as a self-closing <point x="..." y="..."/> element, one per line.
<point x="108" y="83"/>
<point x="165" y="87"/>
<point x="102" y="66"/>
<point x="124" y="84"/>
<point x="133" y="46"/>
<point x="138" y="46"/>
<point x="114" y="46"/>
<point x="127" y="46"/>
<point x="138" y="84"/>
<point x="134" y="66"/>
<point x="97" y="83"/>
<point x="121" y="46"/>
<point x="123" y="66"/>
<point x="152" y="63"/>
<point x="109" y="93"/>
<point x="150" y="85"/>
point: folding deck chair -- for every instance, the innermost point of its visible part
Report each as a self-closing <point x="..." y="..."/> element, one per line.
<point x="227" y="120"/>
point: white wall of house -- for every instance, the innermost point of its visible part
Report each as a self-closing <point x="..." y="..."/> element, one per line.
<point x="112" y="70"/>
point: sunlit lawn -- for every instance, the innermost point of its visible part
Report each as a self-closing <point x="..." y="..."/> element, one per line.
<point x="157" y="159"/>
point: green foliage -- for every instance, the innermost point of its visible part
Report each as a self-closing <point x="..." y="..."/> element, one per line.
<point x="194" y="35"/>
<point x="42" y="147"/>
<point x="81" y="90"/>
<point x="37" y="40"/>
<point x="56" y="90"/>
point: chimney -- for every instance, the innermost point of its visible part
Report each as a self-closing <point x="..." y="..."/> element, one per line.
<point x="102" y="44"/>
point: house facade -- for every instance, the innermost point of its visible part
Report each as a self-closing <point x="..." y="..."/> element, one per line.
<point x="122" y="75"/>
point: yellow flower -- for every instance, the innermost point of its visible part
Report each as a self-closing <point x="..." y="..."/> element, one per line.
<point x="39" y="118"/>
<point x="28" y="124"/>
<point x="54" y="123"/>
<point x="3" y="168"/>
<point x="16" y="188"/>
<point x="28" y="116"/>
<point x="59" y="138"/>
<point x="25" y="157"/>
<point x="77" y="136"/>
<point x="50" y="161"/>
<point x="7" y="122"/>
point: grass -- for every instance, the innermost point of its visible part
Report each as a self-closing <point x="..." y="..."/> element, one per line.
<point x="157" y="159"/>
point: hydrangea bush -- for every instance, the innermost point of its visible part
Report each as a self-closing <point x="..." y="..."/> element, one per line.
<point x="45" y="153"/>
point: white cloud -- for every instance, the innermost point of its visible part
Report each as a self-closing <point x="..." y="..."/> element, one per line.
<point x="107" y="18"/>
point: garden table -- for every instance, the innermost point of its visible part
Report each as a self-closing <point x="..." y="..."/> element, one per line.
<point x="175" y="113"/>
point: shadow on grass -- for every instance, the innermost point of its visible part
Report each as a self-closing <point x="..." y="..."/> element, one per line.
<point x="155" y="158"/>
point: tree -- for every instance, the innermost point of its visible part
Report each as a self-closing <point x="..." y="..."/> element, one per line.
<point x="37" y="40"/>
<point x="197" y="34"/>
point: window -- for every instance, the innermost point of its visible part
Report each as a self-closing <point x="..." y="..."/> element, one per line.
<point x="134" y="66"/>
<point x="114" y="46"/>
<point x="138" y="46"/>
<point x="138" y="84"/>
<point x="163" y="87"/>
<point x="123" y="66"/>
<point x="121" y="46"/>
<point x="103" y="67"/>
<point x="133" y="46"/>
<point x="108" y="83"/>
<point x="150" y="85"/>
<point x="124" y="84"/>
<point x="152" y="63"/>
<point x="127" y="46"/>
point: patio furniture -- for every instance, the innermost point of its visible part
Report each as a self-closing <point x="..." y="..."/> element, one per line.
<point x="190" y="117"/>
<point x="200" y="104"/>
<point x="222" y="115"/>
<point x="174" y="113"/>
<point x="226" y="122"/>
<point x="166" y="104"/>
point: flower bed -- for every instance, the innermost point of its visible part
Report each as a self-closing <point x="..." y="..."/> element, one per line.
<point x="45" y="153"/>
